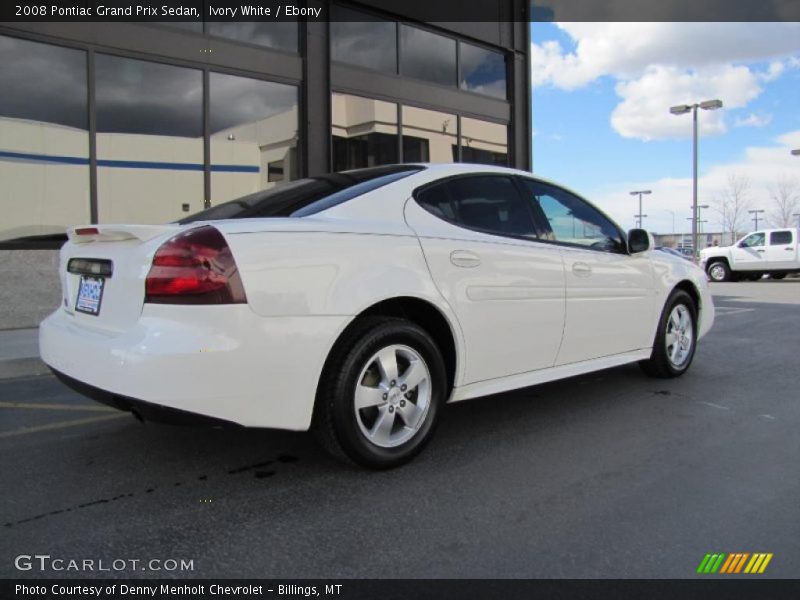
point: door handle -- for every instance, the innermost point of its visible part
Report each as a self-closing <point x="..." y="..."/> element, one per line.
<point x="760" y="251"/>
<point x="581" y="269"/>
<point x="465" y="259"/>
<point x="789" y="249"/>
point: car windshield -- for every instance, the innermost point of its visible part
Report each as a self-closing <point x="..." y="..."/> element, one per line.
<point x="305" y="196"/>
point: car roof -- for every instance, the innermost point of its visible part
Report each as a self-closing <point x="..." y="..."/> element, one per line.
<point x="445" y="169"/>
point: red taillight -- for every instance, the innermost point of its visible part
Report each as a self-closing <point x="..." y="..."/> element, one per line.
<point x="194" y="267"/>
<point x="87" y="231"/>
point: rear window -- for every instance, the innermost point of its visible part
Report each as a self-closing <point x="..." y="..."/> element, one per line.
<point x="305" y="196"/>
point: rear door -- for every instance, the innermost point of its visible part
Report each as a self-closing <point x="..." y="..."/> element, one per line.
<point x="610" y="295"/>
<point x="781" y="251"/>
<point x="505" y="287"/>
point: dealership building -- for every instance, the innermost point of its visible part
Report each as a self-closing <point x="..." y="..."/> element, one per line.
<point x="146" y="122"/>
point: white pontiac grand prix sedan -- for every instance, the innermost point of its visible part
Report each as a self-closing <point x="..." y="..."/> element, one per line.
<point x="356" y="304"/>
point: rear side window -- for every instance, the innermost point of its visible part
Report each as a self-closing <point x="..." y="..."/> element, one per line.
<point x="486" y="203"/>
<point x="780" y="238"/>
<point x="305" y="196"/>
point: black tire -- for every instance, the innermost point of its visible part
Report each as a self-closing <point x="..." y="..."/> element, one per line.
<point x="660" y="365"/>
<point x="720" y="269"/>
<point x="335" y="424"/>
<point x="777" y="275"/>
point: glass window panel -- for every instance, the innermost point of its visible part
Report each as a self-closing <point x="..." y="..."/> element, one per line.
<point x="149" y="140"/>
<point x="486" y="202"/>
<point x="363" y="40"/>
<point x="304" y="197"/>
<point x="484" y="142"/>
<point x="364" y="132"/>
<point x="427" y="56"/>
<point x="753" y="240"/>
<point x="483" y="71"/>
<point x="254" y="135"/>
<point x="44" y="142"/>
<point x="429" y="135"/>
<point x="571" y="219"/>
<point x="281" y="35"/>
<point x="780" y="238"/>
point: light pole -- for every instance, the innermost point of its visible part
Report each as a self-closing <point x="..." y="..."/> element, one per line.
<point x="639" y="218"/>
<point x="699" y="219"/>
<point x="755" y="214"/>
<point x="640" y="215"/>
<point x="682" y="109"/>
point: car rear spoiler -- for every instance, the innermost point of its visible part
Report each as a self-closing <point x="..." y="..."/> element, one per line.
<point x="117" y="233"/>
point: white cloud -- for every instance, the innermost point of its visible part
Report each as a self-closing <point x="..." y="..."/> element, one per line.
<point x="753" y="120"/>
<point x="762" y="165"/>
<point x="659" y="64"/>
<point x="643" y="112"/>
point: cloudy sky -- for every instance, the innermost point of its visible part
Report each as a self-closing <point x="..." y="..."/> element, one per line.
<point x="601" y="98"/>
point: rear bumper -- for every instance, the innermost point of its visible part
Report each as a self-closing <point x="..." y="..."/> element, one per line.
<point x="221" y="362"/>
<point x="145" y="411"/>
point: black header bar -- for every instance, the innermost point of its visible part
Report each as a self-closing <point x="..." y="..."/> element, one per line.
<point x="414" y="10"/>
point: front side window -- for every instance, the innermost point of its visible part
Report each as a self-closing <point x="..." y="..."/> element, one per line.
<point x="488" y="203"/>
<point x="780" y="238"/>
<point x="570" y="220"/>
<point x="753" y="240"/>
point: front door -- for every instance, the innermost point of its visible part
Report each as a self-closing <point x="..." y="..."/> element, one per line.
<point x="610" y="298"/>
<point x="750" y="253"/>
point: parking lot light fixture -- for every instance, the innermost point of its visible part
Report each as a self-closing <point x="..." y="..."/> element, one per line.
<point x="682" y="109"/>
<point x="640" y="215"/>
<point x="755" y="214"/>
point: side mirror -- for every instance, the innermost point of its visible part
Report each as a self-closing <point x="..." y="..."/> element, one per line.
<point x="639" y="240"/>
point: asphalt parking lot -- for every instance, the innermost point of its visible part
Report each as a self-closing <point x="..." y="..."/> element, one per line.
<point x="606" y="475"/>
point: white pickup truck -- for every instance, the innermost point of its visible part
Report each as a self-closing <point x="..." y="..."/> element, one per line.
<point x="769" y="251"/>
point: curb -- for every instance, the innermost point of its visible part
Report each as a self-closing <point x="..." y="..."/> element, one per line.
<point x="22" y="367"/>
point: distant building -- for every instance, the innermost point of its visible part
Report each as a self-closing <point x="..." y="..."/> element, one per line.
<point x="147" y="122"/>
<point x="704" y="239"/>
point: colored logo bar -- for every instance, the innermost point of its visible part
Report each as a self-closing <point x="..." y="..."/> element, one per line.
<point x="735" y="562"/>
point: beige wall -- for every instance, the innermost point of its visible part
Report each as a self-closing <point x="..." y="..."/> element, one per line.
<point x="40" y="197"/>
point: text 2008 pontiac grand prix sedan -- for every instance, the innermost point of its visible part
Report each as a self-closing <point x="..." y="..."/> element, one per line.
<point x="357" y="303"/>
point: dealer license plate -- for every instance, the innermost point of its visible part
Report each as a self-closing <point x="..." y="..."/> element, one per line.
<point x="90" y="295"/>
